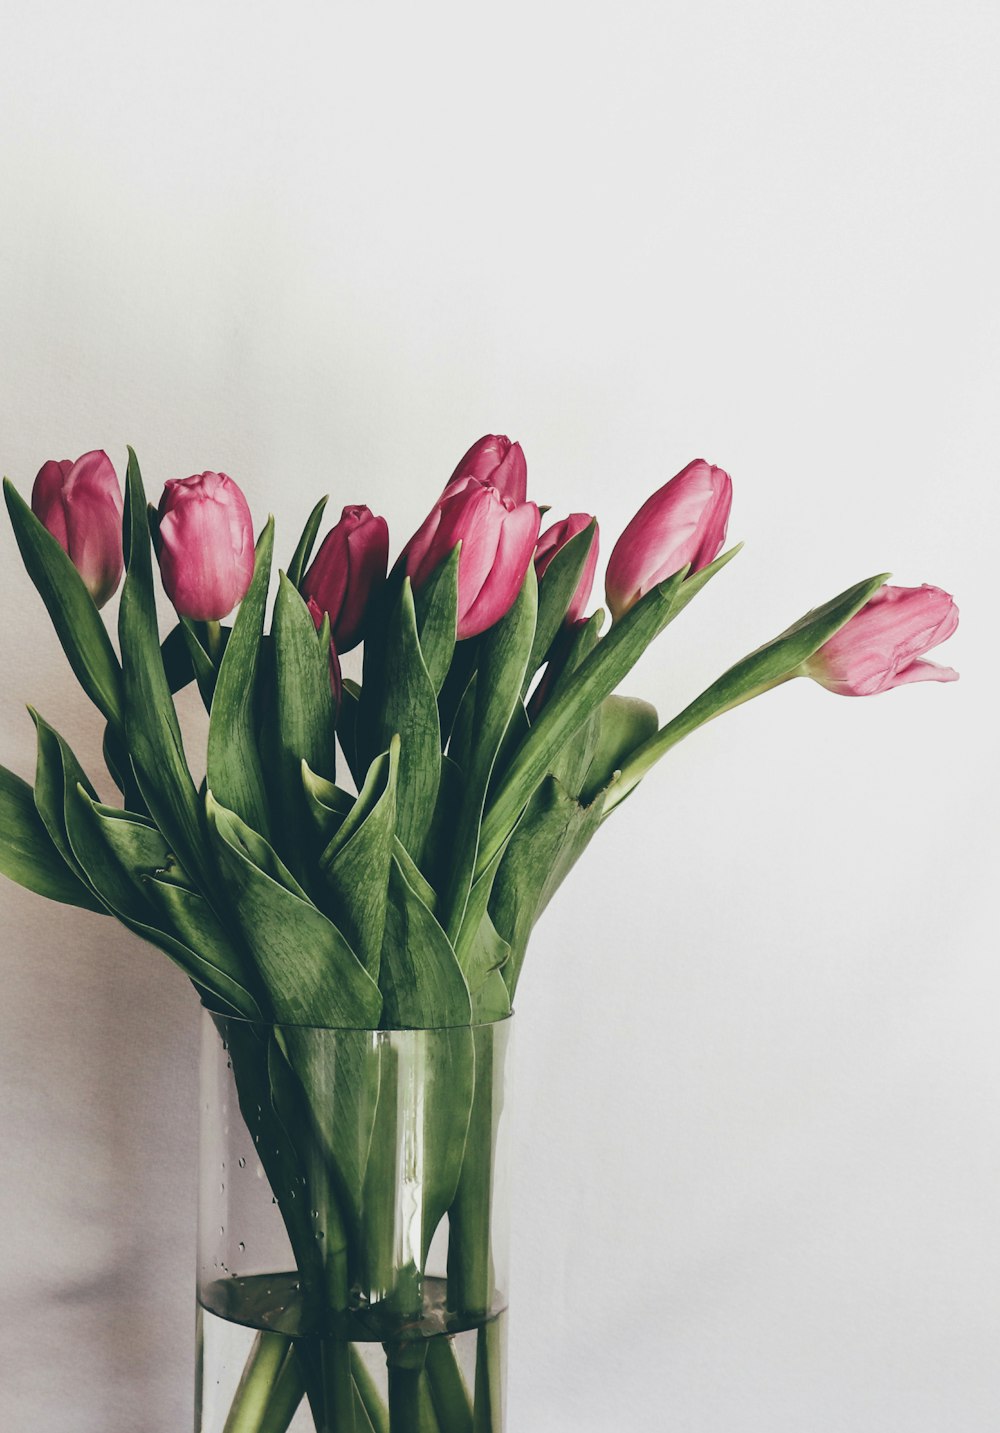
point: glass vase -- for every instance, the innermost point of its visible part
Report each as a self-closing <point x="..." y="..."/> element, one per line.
<point x="352" y="1250"/>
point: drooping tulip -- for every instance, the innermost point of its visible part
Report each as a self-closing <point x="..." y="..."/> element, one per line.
<point x="81" y="505"/>
<point x="683" y="523"/>
<point x="498" y="537"/>
<point x="205" y="545"/>
<point x="553" y="540"/>
<point x="347" y="571"/>
<point x="881" y="646"/>
<point x="493" y="459"/>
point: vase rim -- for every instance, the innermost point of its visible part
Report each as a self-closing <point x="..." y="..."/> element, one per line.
<point x="248" y="1023"/>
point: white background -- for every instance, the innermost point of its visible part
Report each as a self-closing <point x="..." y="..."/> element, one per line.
<point x="323" y="248"/>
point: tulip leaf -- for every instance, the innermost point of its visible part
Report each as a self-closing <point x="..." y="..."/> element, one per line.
<point x="625" y="723"/>
<point x="561" y="717"/>
<point x="305" y="544"/>
<point x="347" y="727"/>
<point x="769" y="665"/>
<point x="556" y="589"/>
<point x="488" y="955"/>
<point x="570" y="764"/>
<point x="420" y="977"/>
<point x="503" y="657"/>
<point x="553" y="826"/>
<point x="355" y="866"/>
<point x="78" y="624"/>
<point x="328" y="805"/>
<point x="118" y="849"/>
<point x="234" y="769"/>
<point x="437" y="618"/>
<point x="57" y="775"/>
<point x="152" y="730"/>
<point x="29" y="856"/>
<point x="410" y="710"/>
<point x="311" y="974"/>
<point x="304" y="725"/>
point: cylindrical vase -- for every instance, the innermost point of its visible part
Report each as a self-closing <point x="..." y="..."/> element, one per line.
<point x="352" y="1246"/>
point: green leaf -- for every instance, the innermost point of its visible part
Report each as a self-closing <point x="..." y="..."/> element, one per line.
<point x="503" y="659"/>
<point x="151" y="726"/>
<point x="347" y="728"/>
<point x="410" y="710"/>
<point x="487" y="956"/>
<point x="328" y="805"/>
<point x="561" y="717"/>
<point x="311" y="974"/>
<point x="77" y="622"/>
<point x="118" y="850"/>
<point x="57" y="775"/>
<point x="570" y="764"/>
<point x="555" y="592"/>
<point x="234" y="770"/>
<point x="437" y="618"/>
<point x="304" y="729"/>
<point x="420" y="977"/>
<point x="768" y="666"/>
<point x="533" y="866"/>
<point x="626" y="722"/>
<point x="355" y="868"/>
<point x="304" y="546"/>
<point x="28" y="854"/>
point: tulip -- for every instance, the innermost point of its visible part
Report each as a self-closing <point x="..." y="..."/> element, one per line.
<point x="493" y="459"/>
<point x="555" y="538"/>
<point x="81" y="505"/>
<point x="682" y="524"/>
<point x="205" y="545"/>
<point x="348" y="569"/>
<point x="880" y="647"/>
<point x="498" y="539"/>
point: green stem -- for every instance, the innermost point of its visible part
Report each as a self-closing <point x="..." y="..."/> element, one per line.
<point x="488" y="1414"/>
<point x="375" y="1409"/>
<point x="450" y="1399"/>
<point x="213" y="641"/>
<point x="286" y="1395"/>
<point x="249" y="1406"/>
<point x="410" y="1407"/>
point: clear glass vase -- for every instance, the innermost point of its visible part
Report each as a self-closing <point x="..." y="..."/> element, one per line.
<point x="352" y="1268"/>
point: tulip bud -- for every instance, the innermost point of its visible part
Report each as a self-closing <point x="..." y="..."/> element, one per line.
<point x="555" y="538"/>
<point x="879" y="647"/>
<point x="81" y="505"/>
<point x="683" y="523"/>
<point x="493" y="459"/>
<point x="346" y="572"/>
<point x="498" y="539"/>
<point x="205" y="545"/>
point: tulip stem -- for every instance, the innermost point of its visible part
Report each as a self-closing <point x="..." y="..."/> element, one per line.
<point x="213" y="642"/>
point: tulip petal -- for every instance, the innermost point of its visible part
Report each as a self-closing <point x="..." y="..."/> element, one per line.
<point x="514" y="551"/>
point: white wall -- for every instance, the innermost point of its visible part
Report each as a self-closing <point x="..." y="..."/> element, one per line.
<point x="323" y="248"/>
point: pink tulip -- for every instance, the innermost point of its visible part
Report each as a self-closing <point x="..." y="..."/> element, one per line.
<point x="683" y="523"/>
<point x="205" y="545"/>
<point x="556" y="537"/>
<point x="498" y="539"/>
<point x="346" y="572"/>
<point x="81" y="505"/>
<point x="493" y="459"/>
<point x="880" y="646"/>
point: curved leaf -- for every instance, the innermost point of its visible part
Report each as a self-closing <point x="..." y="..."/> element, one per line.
<point x="151" y="726"/>
<point x="311" y="974"/>
<point x="28" y="854"/>
<point x="79" y="626"/>
<point x="420" y="977"/>
<point x="234" y="769"/>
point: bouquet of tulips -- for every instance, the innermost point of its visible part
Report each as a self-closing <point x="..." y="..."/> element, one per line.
<point x="375" y="854"/>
